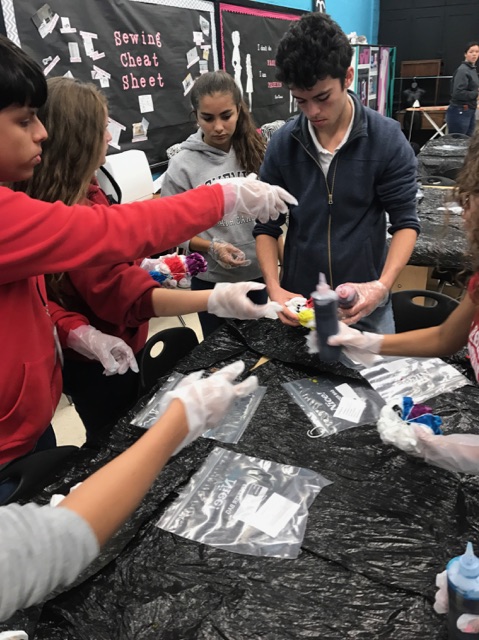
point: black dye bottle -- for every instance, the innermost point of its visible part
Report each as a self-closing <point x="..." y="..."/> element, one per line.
<point x="325" y="302"/>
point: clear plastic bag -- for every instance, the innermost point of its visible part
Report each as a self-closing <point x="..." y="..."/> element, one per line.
<point x="420" y="378"/>
<point x="331" y="408"/>
<point x="146" y="417"/>
<point x="245" y="505"/>
<point x="233" y="425"/>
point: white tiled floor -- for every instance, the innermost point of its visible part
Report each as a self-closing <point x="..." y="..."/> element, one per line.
<point x="66" y="422"/>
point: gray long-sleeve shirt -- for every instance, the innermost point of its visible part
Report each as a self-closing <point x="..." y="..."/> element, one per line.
<point x="41" y="549"/>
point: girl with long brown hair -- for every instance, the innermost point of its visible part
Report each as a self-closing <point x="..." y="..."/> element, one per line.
<point x="226" y="145"/>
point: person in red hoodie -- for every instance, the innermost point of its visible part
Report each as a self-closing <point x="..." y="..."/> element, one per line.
<point x="41" y="237"/>
<point x="119" y="299"/>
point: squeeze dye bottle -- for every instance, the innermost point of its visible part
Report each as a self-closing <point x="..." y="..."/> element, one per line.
<point x="325" y="302"/>
<point x="463" y="591"/>
<point x="347" y="296"/>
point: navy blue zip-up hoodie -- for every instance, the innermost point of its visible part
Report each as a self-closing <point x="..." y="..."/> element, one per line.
<point x="374" y="172"/>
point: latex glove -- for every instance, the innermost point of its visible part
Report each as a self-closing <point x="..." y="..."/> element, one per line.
<point x="150" y="264"/>
<point x="229" y="300"/>
<point x="370" y="296"/>
<point x="441" y="600"/>
<point x="255" y="199"/>
<point x="207" y="400"/>
<point x="227" y="255"/>
<point x="360" y="346"/>
<point x="456" y="452"/>
<point x="113" y="352"/>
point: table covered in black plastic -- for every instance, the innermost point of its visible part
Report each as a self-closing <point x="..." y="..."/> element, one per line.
<point x="374" y="541"/>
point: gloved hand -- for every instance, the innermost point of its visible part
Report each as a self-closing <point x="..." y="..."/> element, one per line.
<point x="227" y="255"/>
<point x="359" y="346"/>
<point x="456" y="452"/>
<point x="150" y="264"/>
<point x="114" y="354"/>
<point x="207" y="400"/>
<point x="370" y="296"/>
<point x="229" y="300"/>
<point x="466" y="623"/>
<point x="252" y="198"/>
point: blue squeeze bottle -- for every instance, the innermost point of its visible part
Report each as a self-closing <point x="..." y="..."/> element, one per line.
<point x="463" y="591"/>
<point x="325" y="302"/>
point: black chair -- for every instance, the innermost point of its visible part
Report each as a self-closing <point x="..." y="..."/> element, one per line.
<point x="177" y="343"/>
<point x="34" y="471"/>
<point x="409" y="315"/>
<point x="438" y="181"/>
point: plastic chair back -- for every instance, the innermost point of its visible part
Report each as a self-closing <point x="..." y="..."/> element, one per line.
<point x="177" y="343"/>
<point x="131" y="171"/>
<point x="429" y="312"/>
<point x="34" y="471"/>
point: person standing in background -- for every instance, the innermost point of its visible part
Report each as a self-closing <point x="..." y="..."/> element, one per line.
<point x="226" y="145"/>
<point x="461" y="113"/>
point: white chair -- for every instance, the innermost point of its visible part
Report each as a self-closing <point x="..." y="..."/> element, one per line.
<point x="131" y="171"/>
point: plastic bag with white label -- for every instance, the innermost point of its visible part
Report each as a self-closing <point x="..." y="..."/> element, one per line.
<point x="334" y="408"/>
<point x="245" y="505"/>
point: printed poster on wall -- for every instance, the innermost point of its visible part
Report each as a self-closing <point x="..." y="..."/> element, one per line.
<point x="143" y="54"/>
<point x="249" y="38"/>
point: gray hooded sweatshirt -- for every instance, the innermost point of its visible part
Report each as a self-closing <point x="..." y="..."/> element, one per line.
<point x="198" y="163"/>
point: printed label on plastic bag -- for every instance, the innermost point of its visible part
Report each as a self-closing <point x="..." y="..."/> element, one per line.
<point x="245" y="505"/>
<point x="331" y="408"/>
<point x="419" y="378"/>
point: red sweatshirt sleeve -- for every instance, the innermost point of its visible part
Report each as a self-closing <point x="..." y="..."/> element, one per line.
<point x="65" y="321"/>
<point x="38" y="237"/>
<point x="120" y="294"/>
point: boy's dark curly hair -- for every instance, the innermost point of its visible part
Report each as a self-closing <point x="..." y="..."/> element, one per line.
<point x="313" y="47"/>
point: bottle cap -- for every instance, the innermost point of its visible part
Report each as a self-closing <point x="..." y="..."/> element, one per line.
<point x="322" y="286"/>
<point x="469" y="563"/>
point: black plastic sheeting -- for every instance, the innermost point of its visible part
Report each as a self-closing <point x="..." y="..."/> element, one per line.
<point x="442" y="157"/>
<point x="374" y="542"/>
<point x="442" y="242"/>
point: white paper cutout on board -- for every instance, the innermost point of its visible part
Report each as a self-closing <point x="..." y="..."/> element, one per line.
<point x="192" y="57"/>
<point x="146" y="103"/>
<point x="187" y="84"/>
<point x="69" y="74"/>
<point x="104" y="82"/>
<point x="74" y="50"/>
<point x="115" y="129"/>
<point x="205" y="26"/>
<point x="203" y="66"/>
<point x="96" y="55"/>
<point x="206" y="54"/>
<point x="66" y="27"/>
<point x="139" y="133"/>
<point x="55" y="61"/>
<point x="198" y="37"/>
<point x="145" y="124"/>
<point x="100" y="72"/>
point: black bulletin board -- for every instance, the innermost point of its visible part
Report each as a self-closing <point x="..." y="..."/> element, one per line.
<point x="249" y="38"/>
<point x="143" y="54"/>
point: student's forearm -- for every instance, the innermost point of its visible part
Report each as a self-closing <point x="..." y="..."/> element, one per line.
<point x="107" y="498"/>
<point x="400" y="250"/>
<point x="199" y="244"/>
<point x="168" y="302"/>
<point x="439" y="341"/>
<point x="267" y="252"/>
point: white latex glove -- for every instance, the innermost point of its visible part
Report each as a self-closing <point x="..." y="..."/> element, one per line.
<point x="255" y="199"/>
<point x="207" y="400"/>
<point x="150" y="264"/>
<point x="456" y="452"/>
<point x="370" y="296"/>
<point x="227" y="255"/>
<point x="360" y="346"/>
<point x="114" y="354"/>
<point x="229" y="300"/>
<point x="441" y="600"/>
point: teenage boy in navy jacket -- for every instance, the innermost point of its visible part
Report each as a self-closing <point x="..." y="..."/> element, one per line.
<point x="347" y="165"/>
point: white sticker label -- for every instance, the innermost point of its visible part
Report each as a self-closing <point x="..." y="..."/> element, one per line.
<point x="350" y="409"/>
<point x="347" y="392"/>
<point x="273" y="515"/>
<point x="146" y="103"/>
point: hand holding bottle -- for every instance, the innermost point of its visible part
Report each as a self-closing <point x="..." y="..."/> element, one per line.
<point x="370" y="296"/>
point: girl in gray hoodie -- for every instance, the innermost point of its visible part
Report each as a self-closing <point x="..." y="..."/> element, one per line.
<point x="226" y="145"/>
